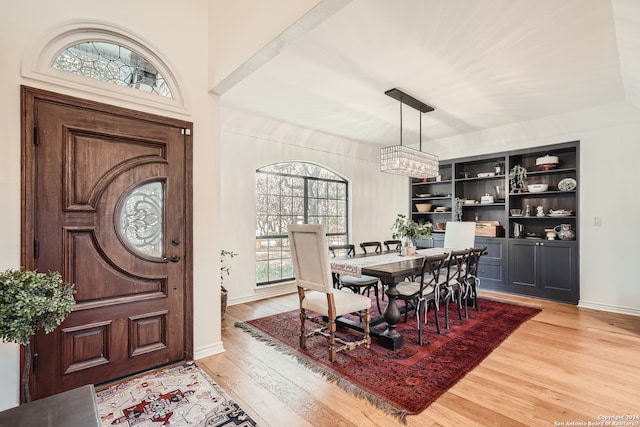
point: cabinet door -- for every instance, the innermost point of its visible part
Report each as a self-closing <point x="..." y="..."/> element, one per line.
<point x="492" y="267"/>
<point x="523" y="261"/>
<point x="557" y="267"/>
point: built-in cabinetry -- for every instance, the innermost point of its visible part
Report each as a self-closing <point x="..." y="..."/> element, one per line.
<point x="520" y="258"/>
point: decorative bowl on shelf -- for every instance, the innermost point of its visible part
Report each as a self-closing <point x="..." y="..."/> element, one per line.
<point x="441" y="225"/>
<point x="423" y="207"/>
<point x="443" y="209"/>
<point x="423" y="195"/>
<point x="537" y="188"/>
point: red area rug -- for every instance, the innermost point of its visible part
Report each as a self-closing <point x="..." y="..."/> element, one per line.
<point x="408" y="380"/>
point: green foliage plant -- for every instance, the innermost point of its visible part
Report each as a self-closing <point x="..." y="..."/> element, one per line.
<point x="407" y="228"/>
<point x="224" y="268"/>
<point x="30" y="301"/>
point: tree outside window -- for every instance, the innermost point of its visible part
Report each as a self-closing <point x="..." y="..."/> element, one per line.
<point x="295" y="193"/>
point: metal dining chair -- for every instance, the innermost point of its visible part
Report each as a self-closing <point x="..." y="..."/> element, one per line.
<point x="395" y="244"/>
<point x="472" y="280"/>
<point x="425" y="292"/>
<point x="376" y="245"/>
<point x="453" y="281"/>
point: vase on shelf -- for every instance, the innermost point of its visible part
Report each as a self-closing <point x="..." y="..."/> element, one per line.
<point x="565" y="232"/>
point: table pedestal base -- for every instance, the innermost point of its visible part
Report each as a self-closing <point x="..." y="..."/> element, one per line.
<point x="390" y="342"/>
<point x="391" y="338"/>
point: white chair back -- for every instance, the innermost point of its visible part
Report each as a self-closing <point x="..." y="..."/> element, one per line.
<point x="310" y="255"/>
<point x="460" y="235"/>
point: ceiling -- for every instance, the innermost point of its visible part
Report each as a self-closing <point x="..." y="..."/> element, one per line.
<point x="480" y="63"/>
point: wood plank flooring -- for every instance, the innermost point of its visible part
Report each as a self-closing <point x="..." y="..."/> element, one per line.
<point x="565" y="365"/>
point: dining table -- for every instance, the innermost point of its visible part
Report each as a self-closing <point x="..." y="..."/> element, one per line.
<point x="391" y="268"/>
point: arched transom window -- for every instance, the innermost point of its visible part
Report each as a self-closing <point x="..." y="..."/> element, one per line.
<point x="295" y="193"/>
<point x="112" y="63"/>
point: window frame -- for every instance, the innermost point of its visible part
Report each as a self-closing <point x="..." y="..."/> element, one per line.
<point x="334" y="237"/>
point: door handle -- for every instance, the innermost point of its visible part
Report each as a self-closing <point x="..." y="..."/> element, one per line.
<point x="175" y="258"/>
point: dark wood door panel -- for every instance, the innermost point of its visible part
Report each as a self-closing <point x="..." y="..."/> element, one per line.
<point x="109" y="209"/>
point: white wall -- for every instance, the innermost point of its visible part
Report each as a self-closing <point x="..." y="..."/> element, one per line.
<point x="376" y="198"/>
<point x="180" y="34"/>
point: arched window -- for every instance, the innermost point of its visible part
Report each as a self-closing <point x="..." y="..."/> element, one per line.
<point x="112" y="63"/>
<point x="295" y="193"/>
<point x="106" y="61"/>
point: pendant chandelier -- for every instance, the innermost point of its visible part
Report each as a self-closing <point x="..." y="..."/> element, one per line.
<point x="401" y="160"/>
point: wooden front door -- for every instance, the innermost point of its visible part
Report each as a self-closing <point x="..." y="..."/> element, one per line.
<point x="107" y="202"/>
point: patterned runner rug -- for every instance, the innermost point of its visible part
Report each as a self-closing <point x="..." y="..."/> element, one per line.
<point x="408" y="380"/>
<point x="179" y="396"/>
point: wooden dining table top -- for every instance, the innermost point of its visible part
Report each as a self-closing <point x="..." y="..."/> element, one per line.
<point x="388" y="269"/>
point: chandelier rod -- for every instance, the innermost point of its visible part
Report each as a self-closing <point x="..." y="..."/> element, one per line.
<point x="400" y="120"/>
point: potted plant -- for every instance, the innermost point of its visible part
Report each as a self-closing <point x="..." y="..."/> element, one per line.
<point x="498" y="166"/>
<point x="224" y="270"/>
<point x="30" y="301"/>
<point x="517" y="177"/>
<point x="409" y="230"/>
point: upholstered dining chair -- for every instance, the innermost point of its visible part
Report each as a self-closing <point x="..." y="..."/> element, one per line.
<point x="394" y="245"/>
<point x="377" y="246"/>
<point x="425" y="293"/>
<point x="459" y="234"/>
<point x="453" y="282"/>
<point x="310" y="255"/>
<point x="472" y="280"/>
<point x="361" y="284"/>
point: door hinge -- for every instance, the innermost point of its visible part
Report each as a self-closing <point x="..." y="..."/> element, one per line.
<point x="36" y="248"/>
<point x="186" y="132"/>
<point x="36" y="138"/>
<point x="36" y="360"/>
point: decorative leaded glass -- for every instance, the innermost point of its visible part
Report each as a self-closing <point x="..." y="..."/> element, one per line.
<point x="114" y="64"/>
<point x="301" y="169"/>
<point x="141" y="220"/>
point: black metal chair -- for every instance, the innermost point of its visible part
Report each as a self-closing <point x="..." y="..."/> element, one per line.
<point x="395" y="245"/>
<point x="453" y="282"/>
<point x="424" y="293"/>
<point x="376" y="245"/>
<point x="472" y="280"/>
<point x="358" y="285"/>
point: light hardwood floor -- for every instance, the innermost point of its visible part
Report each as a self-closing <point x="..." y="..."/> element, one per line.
<point x="565" y="365"/>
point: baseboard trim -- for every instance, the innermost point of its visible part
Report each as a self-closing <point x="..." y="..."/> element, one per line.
<point x="209" y="350"/>
<point x="265" y="292"/>
<point x="610" y="308"/>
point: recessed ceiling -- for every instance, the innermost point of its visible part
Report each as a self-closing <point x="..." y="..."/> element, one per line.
<point x="480" y="63"/>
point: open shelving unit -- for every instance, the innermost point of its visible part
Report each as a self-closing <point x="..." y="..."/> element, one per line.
<point x="527" y="264"/>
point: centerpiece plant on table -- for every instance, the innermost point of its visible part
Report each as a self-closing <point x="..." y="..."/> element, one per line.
<point x="410" y="230"/>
